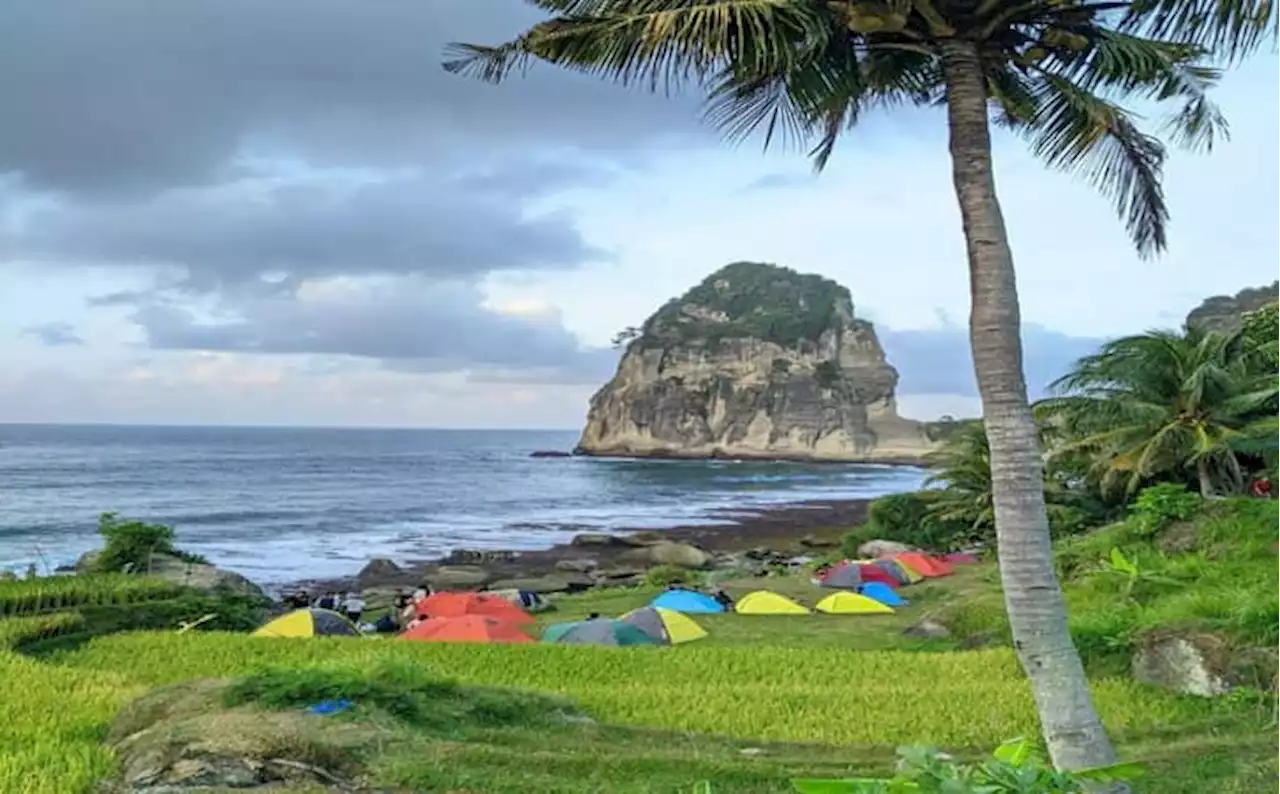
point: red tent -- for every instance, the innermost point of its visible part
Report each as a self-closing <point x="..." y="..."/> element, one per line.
<point x="454" y="605"/>
<point x="923" y="564"/>
<point x="874" y="573"/>
<point x="468" y="628"/>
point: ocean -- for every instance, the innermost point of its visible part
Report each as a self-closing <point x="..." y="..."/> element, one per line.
<point x="281" y="504"/>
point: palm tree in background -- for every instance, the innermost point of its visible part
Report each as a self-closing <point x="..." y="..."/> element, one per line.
<point x="1052" y="70"/>
<point x="1164" y="404"/>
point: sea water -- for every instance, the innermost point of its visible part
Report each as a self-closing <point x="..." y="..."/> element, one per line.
<point x="279" y="504"/>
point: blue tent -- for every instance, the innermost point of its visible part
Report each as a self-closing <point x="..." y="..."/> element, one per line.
<point x="883" y="593"/>
<point x="687" y="601"/>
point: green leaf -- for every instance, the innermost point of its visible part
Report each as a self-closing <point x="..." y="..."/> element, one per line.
<point x="1014" y="752"/>
<point x="838" y="786"/>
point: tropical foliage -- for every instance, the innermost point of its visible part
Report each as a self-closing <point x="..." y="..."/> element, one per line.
<point x="1164" y="405"/>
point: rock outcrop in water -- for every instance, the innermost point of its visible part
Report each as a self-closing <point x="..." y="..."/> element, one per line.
<point x="757" y="361"/>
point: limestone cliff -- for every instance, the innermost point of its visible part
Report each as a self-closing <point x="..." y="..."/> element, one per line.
<point x="1223" y="312"/>
<point x="757" y="361"/>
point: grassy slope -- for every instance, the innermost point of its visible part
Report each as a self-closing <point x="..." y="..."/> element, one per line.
<point x="760" y="682"/>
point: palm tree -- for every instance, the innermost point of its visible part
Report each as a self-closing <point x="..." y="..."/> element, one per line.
<point x="1164" y="404"/>
<point x="1052" y="70"/>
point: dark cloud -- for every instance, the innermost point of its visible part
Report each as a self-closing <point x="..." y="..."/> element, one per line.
<point x="939" y="362"/>
<point x="55" y="334"/>
<point x="449" y="226"/>
<point x="108" y="95"/>
<point x="407" y="325"/>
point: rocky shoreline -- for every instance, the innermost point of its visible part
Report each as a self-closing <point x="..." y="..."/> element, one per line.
<point x="745" y="539"/>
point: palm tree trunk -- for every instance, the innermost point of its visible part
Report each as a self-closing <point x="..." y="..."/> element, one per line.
<point x="1206" y="481"/>
<point x="1033" y="598"/>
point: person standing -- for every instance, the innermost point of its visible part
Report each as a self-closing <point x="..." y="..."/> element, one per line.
<point x="353" y="607"/>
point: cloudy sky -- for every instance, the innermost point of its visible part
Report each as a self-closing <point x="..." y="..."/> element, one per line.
<point x="285" y="212"/>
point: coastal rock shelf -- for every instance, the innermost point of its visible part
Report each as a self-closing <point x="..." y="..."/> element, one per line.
<point x="756" y="362"/>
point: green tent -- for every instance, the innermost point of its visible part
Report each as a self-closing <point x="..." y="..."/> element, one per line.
<point x="597" y="632"/>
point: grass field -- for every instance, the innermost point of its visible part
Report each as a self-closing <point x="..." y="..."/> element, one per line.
<point x="815" y="695"/>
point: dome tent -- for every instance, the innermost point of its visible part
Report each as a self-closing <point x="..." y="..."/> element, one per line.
<point x="468" y="628"/>
<point x="883" y="593"/>
<point x="844" y="576"/>
<point x="666" y="625"/>
<point x="597" y="632"/>
<point x="845" y="603"/>
<point x="454" y="605"/>
<point x="688" y="601"/>
<point x="309" y="623"/>
<point x="766" y="602"/>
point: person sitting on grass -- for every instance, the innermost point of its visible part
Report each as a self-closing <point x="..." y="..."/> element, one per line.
<point x="723" y="599"/>
<point x="327" y="601"/>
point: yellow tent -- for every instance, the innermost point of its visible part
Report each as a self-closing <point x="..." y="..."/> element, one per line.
<point x="764" y="602"/>
<point x="852" y="604"/>
<point x="309" y="623"/>
<point x="665" y="625"/>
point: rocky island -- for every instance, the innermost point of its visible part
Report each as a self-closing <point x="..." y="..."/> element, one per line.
<point x="756" y="362"/>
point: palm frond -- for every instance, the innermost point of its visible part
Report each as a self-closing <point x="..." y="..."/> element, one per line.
<point x="655" y="42"/>
<point x="1076" y="130"/>
<point x="1231" y="29"/>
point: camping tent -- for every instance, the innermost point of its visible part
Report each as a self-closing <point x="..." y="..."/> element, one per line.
<point x="874" y="573"/>
<point x="687" y="601"/>
<point x="846" y="576"/>
<point x="309" y="623"/>
<point x="468" y="628"/>
<point x="666" y="625"/>
<point x="527" y="600"/>
<point x="900" y="573"/>
<point x="765" y="602"/>
<point x="883" y="593"/>
<point x="923" y="564"/>
<point x="597" y="632"/>
<point x="851" y="604"/>
<point x="454" y="605"/>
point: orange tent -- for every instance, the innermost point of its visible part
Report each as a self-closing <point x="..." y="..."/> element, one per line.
<point x="923" y="564"/>
<point x="455" y="605"/>
<point x="468" y="628"/>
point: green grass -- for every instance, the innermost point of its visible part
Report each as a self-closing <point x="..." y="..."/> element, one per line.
<point x="817" y="695"/>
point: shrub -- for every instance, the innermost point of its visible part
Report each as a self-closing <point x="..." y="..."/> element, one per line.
<point x="130" y="544"/>
<point x="1016" y="767"/>
<point x="907" y="518"/>
<point x="1160" y="505"/>
<point x="665" y="575"/>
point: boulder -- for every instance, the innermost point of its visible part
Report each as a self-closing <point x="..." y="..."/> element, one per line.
<point x="882" y="548"/>
<point x="927" y="629"/>
<point x="179" y="740"/>
<point x="458" y="577"/>
<point x="815" y="542"/>
<point x="1188" y="662"/>
<point x="87" y="561"/>
<point x="577" y="565"/>
<point x="551" y="583"/>
<point x="380" y="572"/>
<point x="647" y="537"/>
<point x="201" y="576"/>
<point x="479" y="556"/>
<point x="550" y="453"/>
<point x="597" y="539"/>
<point x="681" y="555"/>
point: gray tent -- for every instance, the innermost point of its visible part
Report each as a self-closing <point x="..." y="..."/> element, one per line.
<point x="843" y="577"/>
<point x="597" y="632"/>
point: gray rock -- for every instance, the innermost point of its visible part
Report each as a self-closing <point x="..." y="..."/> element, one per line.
<point x="882" y="548"/>
<point x="88" y="561"/>
<point x="1186" y="662"/>
<point x="815" y="542"/>
<point x="550" y="453"/>
<point x="927" y="629"/>
<point x="458" y="577"/>
<point x="479" y="556"/>
<point x="200" y="576"/>
<point x="646" y="538"/>
<point x="551" y="583"/>
<point x="577" y="565"/>
<point x="681" y="555"/>
<point x="379" y="572"/>
<point x="597" y="539"/>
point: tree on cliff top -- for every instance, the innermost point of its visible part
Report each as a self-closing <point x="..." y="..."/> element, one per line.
<point x="1053" y="70"/>
<point x="751" y="300"/>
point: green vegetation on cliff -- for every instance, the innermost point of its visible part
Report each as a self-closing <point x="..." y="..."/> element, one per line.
<point x="750" y="300"/>
<point x="1223" y="312"/>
